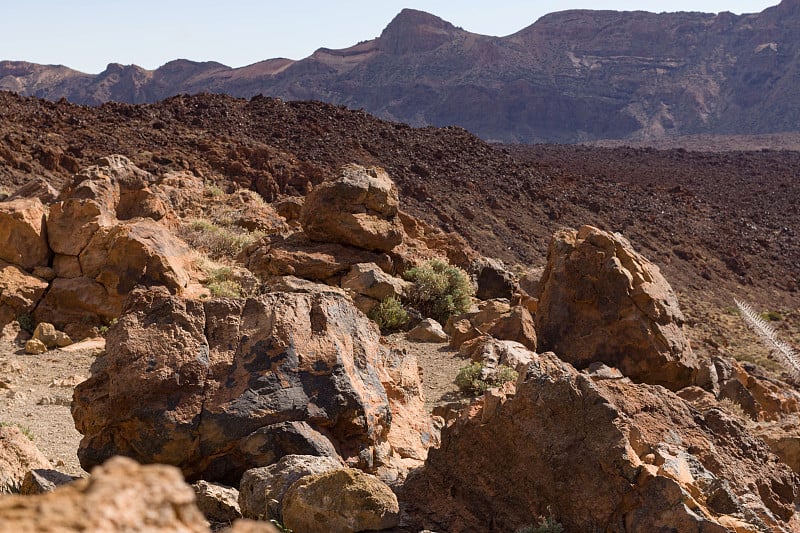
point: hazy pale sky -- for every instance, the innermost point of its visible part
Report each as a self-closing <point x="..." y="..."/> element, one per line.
<point x="88" y="34"/>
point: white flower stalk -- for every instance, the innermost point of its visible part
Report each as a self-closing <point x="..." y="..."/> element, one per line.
<point x="781" y="351"/>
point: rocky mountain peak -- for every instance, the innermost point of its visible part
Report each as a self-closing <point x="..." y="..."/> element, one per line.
<point x="413" y="31"/>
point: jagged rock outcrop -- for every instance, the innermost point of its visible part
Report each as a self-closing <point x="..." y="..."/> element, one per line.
<point x="599" y="300"/>
<point x="118" y="496"/>
<point x="359" y="208"/>
<point x="603" y="454"/>
<point x="221" y="386"/>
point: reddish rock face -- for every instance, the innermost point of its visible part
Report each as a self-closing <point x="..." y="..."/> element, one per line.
<point x="23" y="233"/>
<point x="606" y="455"/>
<point x="601" y="301"/>
<point x="20" y="292"/>
<point x="18" y="455"/>
<point x="226" y="385"/>
<point x="358" y="208"/>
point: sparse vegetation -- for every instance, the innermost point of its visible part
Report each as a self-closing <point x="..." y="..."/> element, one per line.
<point x="439" y="290"/>
<point x="215" y="240"/>
<point x="389" y="315"/>
<point x="474" y="380"/>
<point x="280" y="527"/>
<point x="734" y="409"/>
<point x="24" y="429"/>
<point x="213" y="190"/>
<point x="781" y="351"/>
<point x="25" y="321"/>
<point x="545" y="525"/>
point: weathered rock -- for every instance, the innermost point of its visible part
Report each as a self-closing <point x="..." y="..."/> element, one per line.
<point x="428" y="330"/>
<point x="44" y="272"/>
<point x="412" y="431"/>
<point x="295" y="284"/>
<point x="191" y="383"/>
<point x="369" y="280"/>
<point x="494" y="281"/>
<point x="783" y="439"/>
<point x="358" y="208"/>
<point x="298" y="256"/>
<point x="36" y="188"/>
<point x="269" y="443"/>
<point x="35" y="347"/>
<point x="516" y="326"/>
<point x="119" y="496"/>
<point x="18" y="456"/>
<point x="362" y="503"/>
<point x="41" y="480"/>
<point x="461" y="331"/>
<point x="602" y="301"/>
<point x="20" y="292"/>
<point x="494" y="352"/>
<point x="46" y="334"/>
<point x="607" y="455"/>
<point x="261" y="490"/>
<point x="67" y="266"/>
<point x="133" y="253"/>
<point x="218" y="503"/>
<point x="76" y="305"/>
<point x="23" y="233"/>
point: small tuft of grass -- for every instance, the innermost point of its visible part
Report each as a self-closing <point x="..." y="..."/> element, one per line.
<point x="24" y="429"/>
<point x="474" y="381"/>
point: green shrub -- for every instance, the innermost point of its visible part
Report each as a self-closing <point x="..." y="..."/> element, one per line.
<point x="470" y="379"/>
<point x="389" y="315"/>
<point x="439" y="290"/>
<point x="25" y="321"/>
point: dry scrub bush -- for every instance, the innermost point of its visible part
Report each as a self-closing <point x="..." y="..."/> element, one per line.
<point x="217" y="241"/>
<point x="439" y="290"/>
<point x="476" y="378"/>
<point x="389" y="315"/>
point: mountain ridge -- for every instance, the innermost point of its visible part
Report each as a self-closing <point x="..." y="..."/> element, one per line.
<point x="571" y="76"/>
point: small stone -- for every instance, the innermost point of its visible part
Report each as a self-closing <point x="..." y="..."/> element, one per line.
<point x="35" y="347"/>
<point x="429" y="330"/>
<point x="46" y="333"/>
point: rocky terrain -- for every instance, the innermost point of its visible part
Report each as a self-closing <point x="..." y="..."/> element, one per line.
<point x="570" y="76"/>
<point x="234" y="255"/>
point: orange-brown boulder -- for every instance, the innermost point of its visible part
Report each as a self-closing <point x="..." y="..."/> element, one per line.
<point x="76" y="305"/>
<point x="118" y="496"/>
<point x="23" y="233"/>
<point x="221" y="386"/>
<point x="359" y="208"/>
<point x="601" y="301"/>
<point x="598" y="455"/>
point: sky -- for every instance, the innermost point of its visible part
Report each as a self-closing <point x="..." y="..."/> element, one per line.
<point x="89" y="34"/>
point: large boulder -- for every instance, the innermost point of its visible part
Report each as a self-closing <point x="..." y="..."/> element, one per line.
<point x="493" y="280"/>
<point x="119" y="496"/>
<point x="20" y="292"/>
<point x="359" y="208"/>
<point x="23" y="233"/>
<point x="18" y="456"/>
<point x="213" y="386"/>
<point x="598" y="455"/>
<point x="369" y="280"/>
<point x="601" y="301"/>
<point x="361" y="502"/>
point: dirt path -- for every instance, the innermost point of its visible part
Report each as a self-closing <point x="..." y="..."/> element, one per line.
<point x="36" y="391"/>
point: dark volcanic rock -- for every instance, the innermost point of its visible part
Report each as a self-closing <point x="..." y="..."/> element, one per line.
<point x="226" y="385"/>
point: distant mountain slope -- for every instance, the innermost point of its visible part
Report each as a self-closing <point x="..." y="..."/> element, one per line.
<point x="571" y="76"/>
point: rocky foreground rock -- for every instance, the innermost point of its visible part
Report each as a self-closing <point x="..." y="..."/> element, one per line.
<point x="119" y="496"/>
<point x="599" y="455"/>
